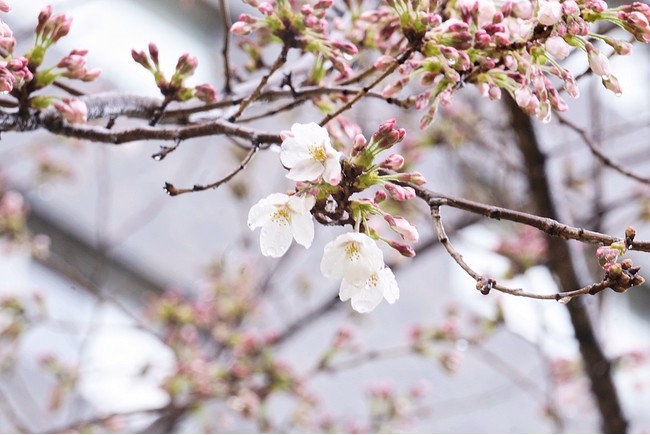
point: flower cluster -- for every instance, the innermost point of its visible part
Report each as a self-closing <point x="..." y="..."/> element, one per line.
<point x="325" y="181"/>
<point x="303" y="27"/>
<point x="512" y="46"/>
<point x="174" y="89"/>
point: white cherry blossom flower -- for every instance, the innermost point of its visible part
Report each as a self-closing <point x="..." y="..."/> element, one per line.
<point x="309" y="155"/>
<point x="282" y="218"/>
<point x="365" y="296"/>
<point x="353" y="257"/>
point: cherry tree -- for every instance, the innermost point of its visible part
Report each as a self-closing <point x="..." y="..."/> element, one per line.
<point x="430" y="66"/>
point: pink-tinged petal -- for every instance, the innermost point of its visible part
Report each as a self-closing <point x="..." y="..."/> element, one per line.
<point x="302" y="227"/>
<point x="293" y="152"/>
<point x="275" y="238"/>
<point x="306" y="170"/>
<point x="388" y="284"/>
<point x="260" y="213"/>
<point x="347" y="290"/>
<point x="367" y="298"/>
<point x="332" y="172"/>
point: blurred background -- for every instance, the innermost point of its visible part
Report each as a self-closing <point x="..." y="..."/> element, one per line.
<point x="91" y="345"/>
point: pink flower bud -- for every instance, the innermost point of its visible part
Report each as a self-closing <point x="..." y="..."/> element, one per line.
<point x="523" y="9"/>
<point x="413" y="177"/>
<point x="550" y="12"/>
<point x="186" y="65"/>
<point x="523" y="96"/>
<point x="359" y="145"/>
<point x="43" y="17"/>
<point x="4" y="7"/>
<point x="73" y="110"/>
<point x="399" y="193"/>
<point x="154" y="53"/>
<point x="393" y="161"/>
<point x="324" y="4"/>
<point x="206" y="93"/>
<point x="346" y="47"/>
<point x="598" y="62"/>
<point x="91" y="75"/>
<point x="403" y="249"/>
<point x="265" y="8"/>
<point x="241" y="28"/>
<point x="384" y="62"/>
<point x="141" y="58"/>
<point x="557" y="47"/>
<point x="570" y="7"/>
<point x="380" y="196"/>
<point x="611" y="83"/>
<point x="402" y="227"/>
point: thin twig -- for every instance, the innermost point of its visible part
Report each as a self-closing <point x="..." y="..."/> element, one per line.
<point x="174" y="191"/>
<point x="484" y="284"/>
<point x="547" y="225"/>
<point x="281" y="60"/>
<point x="364" y="91"/>
<point x="69" y="89"/>
<point x="225" y="21"/>
<point x="597" y="151"/>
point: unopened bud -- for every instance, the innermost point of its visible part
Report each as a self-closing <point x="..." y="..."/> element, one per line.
<point x="380" y="196"/>
<point x="402" y="227"/>
<point x="359" y="145"/>
<point x="402" y="248"/>
<point x="393" y="161"/>
<point x="399" y="193"/>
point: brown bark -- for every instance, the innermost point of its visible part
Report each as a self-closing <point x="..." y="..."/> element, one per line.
<point x="597" y="367"/>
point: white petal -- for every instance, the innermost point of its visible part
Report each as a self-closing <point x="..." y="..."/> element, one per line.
<point x="388" y="285"/>
<point x="306" y="170"/>
<point x="367" y="299"/>
<point x="302" y="227"/>
<point x="260" y="213"/>
<point x="293" y="152"/>
<point x="275" y="238"/>
<point x="332" y="172"/>
<point x="310" y="133"/>
<point x="278" y="198"/>
<point x="347" y="290"/>
<point x="331" y="266"/>
<point x="302" y="204"/>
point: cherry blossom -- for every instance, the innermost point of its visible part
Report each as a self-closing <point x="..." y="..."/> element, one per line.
<point x="309" y="155"/>
<point x="368" y="294"/>
<point x="282" y="218"/>
<point x="353" y="257"/>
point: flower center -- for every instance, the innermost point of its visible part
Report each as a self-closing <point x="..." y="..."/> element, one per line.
<point x="281" y="216"/>
<point x="317" y="152"/>
<point x="372" y="281"/>
<point x="352" y="251"/>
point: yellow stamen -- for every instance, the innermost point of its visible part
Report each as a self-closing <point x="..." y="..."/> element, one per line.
<point x="317" y="152"/>
<point x="352" y="251"/>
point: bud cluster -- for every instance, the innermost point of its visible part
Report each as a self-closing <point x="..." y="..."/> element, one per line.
<point x="623" y="274"/>
<point x="174" y="89"/>
<point x="304" y="27"/>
